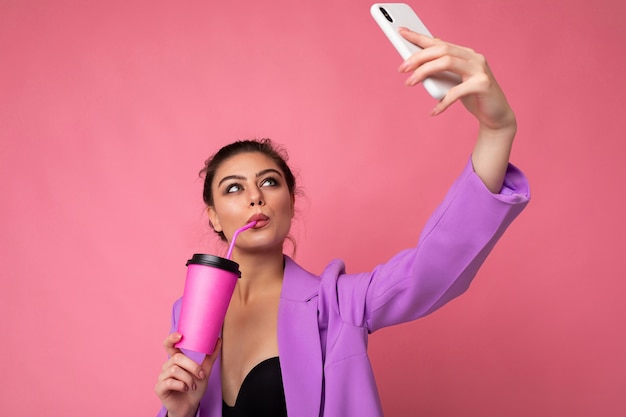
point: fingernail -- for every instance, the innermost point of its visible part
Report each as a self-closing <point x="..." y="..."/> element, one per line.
<point x="201" y="374"/>
<point x="411" y="81"/>
<point x="193" y="386"/>
<point x="405" y="66"/>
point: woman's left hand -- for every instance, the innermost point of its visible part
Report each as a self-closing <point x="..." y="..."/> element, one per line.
<point x="478" y="90"/>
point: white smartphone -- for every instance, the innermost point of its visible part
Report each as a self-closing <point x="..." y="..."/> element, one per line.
<point x="392" y="16"/>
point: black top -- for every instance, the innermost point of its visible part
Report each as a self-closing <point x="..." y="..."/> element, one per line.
<point x="261" y="393"/>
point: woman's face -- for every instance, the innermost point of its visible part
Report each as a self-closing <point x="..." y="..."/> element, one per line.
<point x="246" y="187"/>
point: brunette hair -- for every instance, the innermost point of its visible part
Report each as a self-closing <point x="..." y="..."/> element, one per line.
<point x="263" y="146"/>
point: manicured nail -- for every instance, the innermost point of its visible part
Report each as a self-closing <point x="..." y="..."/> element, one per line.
<point x="411" y="81"/>
<point x="405" y="66"/>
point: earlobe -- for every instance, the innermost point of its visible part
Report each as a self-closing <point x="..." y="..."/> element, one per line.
<point x="214" y="220"/>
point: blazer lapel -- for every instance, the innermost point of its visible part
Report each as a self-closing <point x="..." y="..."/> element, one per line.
<point x="299" y="341"/>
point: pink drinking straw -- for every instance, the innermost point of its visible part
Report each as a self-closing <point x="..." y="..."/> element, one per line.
<point x="232" y="244"/>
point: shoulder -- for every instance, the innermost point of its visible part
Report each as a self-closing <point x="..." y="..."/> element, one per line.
<point x="300" y="284"/>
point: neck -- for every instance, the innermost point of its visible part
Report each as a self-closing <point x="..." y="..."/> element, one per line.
<point x="260" y="273"/>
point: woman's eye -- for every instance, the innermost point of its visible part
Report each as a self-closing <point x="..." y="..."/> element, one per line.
<point x="233" y="188"/>
<point x="269" y="182"/>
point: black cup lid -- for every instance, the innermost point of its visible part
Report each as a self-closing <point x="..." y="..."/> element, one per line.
<point x="215" y="261"/>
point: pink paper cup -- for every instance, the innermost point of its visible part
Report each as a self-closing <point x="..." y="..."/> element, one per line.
<point x="209" y="286"/>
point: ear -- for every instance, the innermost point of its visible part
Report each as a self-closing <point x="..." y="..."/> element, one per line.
<point x="214" y="219"/>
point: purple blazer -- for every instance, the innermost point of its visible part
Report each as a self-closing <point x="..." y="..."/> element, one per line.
<point x="324" y="321"/>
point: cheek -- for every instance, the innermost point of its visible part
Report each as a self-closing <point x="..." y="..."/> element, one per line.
<point x="287" y="209"/>
<point x="226" y="211"/>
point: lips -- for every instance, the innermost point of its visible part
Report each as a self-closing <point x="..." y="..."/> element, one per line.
<point x="260" y="219"/>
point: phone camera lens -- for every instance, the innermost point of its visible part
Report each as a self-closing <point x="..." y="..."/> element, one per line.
<point x="384" y="12"/>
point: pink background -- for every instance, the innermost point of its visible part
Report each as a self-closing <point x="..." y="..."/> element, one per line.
<point x="108" y="110"/>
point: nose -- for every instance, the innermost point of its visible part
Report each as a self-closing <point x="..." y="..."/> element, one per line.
<point x="256" y="198"/>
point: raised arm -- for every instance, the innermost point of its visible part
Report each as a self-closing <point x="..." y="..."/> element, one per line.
<point x="480" y="94"/>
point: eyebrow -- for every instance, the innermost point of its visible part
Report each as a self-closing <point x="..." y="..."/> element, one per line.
<point x="242" y="178"/>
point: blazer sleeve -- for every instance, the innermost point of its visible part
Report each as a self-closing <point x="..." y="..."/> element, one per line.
<point x="454" y="243"/>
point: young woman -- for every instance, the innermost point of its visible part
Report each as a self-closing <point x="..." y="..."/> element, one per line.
<point x="296" y="344"/>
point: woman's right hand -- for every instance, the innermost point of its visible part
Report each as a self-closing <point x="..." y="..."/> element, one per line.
<point x="182" y="382"/>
